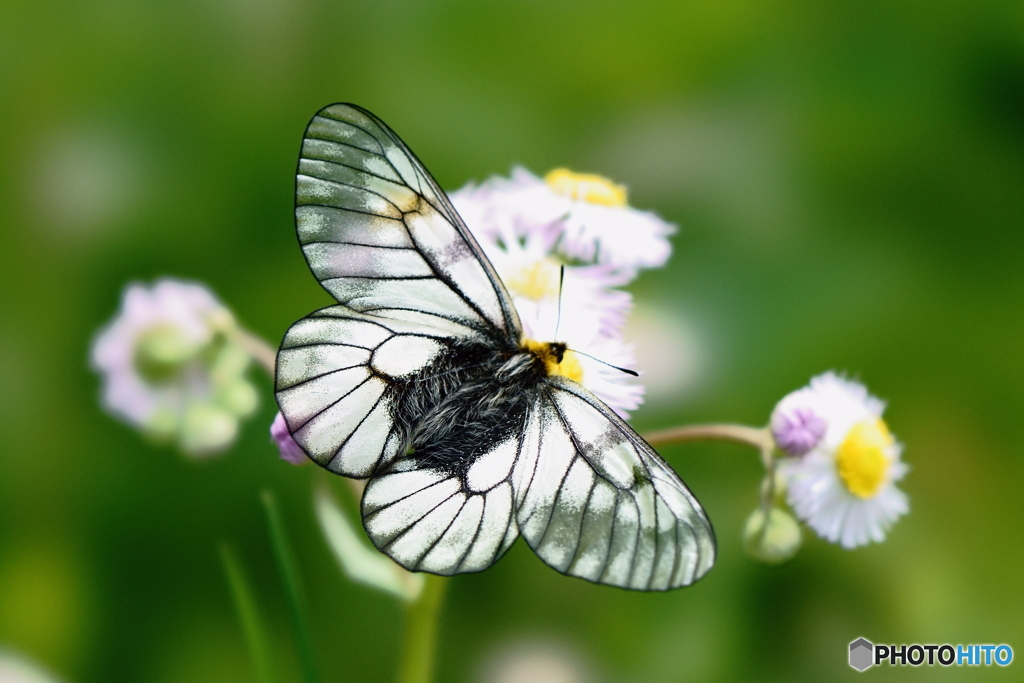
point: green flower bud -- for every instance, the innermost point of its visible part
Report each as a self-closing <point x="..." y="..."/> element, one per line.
<point x="773" y="540"/>
<point x="161" y="353"/>
<point x="162" y="425"/>
<point x="207" y="428"/>
<point x="238" y="397"/>
<point x="228" y="361"/>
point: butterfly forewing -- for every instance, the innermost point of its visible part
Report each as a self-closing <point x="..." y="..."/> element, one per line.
<point x="381" y="236"/>
<point x="595" y="501"/>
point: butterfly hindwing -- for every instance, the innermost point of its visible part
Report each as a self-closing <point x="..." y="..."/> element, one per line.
<point x="444" y="522"/>
<point x="380" y="235"/>
<point x="338" y="375"/>
<point x="595" y="501"/>
<point x="590" y="497"/>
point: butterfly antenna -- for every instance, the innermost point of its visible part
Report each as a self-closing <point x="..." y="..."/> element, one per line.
<point x="561" y="279"/>
<point x="634" y="373"/>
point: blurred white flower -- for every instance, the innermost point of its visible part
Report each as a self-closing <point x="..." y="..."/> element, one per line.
<point x="532" y="273"/>
<point x="286" y="446"/>
<point x="590" y="214"/>
<point x="171" y="367"/>
<point x="844" y="487"/>
<point x="16" y="669"/>
<point x="536" y="661"/>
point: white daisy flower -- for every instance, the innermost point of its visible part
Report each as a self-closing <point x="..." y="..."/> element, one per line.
<point x="589" y="215"/>
<point x="578" y="309"/>
<point x="588" y="320"/>
<point x="844" y="485"/>
<point x="532" y="273"/>
<point x="532" y="229"/>
<point x="595" y="364"/>
<point x="169" y="366"/>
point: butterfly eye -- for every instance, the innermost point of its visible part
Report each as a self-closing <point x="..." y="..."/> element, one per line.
<point x="558" y="348"/>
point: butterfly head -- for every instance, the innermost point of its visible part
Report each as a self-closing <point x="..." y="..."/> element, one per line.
<point x="556" y="357"/>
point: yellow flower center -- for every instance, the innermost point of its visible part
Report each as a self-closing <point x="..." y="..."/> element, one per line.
<point x="535" y="281"/>
<point x="861" y="458"/>
<point x="586" y="187"/>
<point x="548" y="352"/>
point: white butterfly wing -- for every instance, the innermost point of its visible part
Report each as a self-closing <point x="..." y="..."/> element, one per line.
<point x="380" y="235"/>
<point x="595" y="501"/>
<point x="427" y="520"/>
<point x="336" y="375"/>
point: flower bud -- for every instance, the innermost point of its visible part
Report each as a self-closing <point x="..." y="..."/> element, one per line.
<point x="207" y="429"/>
<point x="796" y="423"/>
<point x="772" y="539"/>
<point x="286" y="446"/>
<point x="162" y="351"/>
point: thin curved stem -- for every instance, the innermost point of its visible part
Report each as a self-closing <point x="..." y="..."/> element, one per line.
<point x="248" y="615"/>
<point x="264" y="353"/>
<point x="760" y="438"/>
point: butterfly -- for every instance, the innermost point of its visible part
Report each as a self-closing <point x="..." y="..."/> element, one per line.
<point x="420" y="380"/>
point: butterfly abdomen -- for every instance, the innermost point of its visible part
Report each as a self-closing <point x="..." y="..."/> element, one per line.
<point x="466" y="403"/>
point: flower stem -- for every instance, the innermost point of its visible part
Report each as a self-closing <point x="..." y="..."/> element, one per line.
<point x="420" y="640"/>
<point x="290" y="576"/>
<point x="264" y="353"/>
<point x="248" y="615"/>
<point x="759" y="438"/>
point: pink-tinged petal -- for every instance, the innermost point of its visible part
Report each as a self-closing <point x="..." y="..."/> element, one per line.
<point x="286" y="446"/>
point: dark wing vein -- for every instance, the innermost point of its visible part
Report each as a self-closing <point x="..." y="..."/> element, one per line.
<point x="446" y="208"/>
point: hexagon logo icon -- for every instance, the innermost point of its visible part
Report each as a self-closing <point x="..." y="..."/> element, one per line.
<point x="862" y="653"/>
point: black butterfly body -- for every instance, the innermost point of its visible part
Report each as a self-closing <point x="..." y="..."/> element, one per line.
<point x="420" y="381"/>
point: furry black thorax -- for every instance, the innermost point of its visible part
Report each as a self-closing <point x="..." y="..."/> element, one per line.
<point x="466" y="402"/>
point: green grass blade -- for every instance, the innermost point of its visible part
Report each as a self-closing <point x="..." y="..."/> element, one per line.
<point x="248" y="614"/>
<point x="290" y="576"/>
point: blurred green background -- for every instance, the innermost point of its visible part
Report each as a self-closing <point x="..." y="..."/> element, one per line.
<point x="849" y="182"/>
